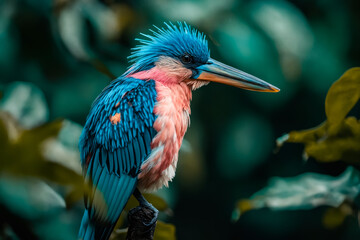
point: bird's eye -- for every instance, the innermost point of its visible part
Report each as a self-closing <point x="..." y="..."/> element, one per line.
<point x="187" y="58"/>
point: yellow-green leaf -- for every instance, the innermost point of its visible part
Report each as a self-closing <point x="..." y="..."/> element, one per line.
<point x="119" y="234"/>
<point x="342" y="96"/>
<point x="155" y="200"/>
<point x="308" y="135"/>
<point x="242" y="206"/>
<point x="164" y="231"/>
<point x="334" y="217"/>
<point x="339" y="143"/>
<point x="335" y="149"/>
<point x="338" y="138"/>
<point x="22" y="155"/>
<point x="20" y="147"/>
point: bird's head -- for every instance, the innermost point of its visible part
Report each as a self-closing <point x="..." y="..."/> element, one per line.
<point x="180" y="53"/>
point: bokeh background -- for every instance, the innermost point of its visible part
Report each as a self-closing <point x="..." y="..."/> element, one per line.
<point x="57" y="55"/>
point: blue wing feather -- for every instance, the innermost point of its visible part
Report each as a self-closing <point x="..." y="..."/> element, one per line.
<point x="112" y="154"/>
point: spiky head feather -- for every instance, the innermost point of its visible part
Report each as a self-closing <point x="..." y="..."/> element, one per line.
<point x="173" y="40"/>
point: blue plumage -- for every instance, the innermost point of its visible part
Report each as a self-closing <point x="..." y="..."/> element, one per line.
<point x="119" y="132"/>
<point x="112" y="152"/>
<point x="172" y="41"/>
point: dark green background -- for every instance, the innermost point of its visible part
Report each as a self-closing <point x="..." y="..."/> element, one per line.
<point x="300" y="46"/>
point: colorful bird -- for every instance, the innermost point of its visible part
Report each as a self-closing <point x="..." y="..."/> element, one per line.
<point x="135" y="127"/>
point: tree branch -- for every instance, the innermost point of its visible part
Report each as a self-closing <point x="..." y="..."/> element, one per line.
<point x="142" y="223"/>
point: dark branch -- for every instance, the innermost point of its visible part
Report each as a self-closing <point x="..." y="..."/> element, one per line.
<point x="142" y="223"/>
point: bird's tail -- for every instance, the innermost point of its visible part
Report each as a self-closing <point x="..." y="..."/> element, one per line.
<point x="91" y="231"/>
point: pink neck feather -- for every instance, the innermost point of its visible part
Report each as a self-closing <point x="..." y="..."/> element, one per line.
<point x="154" y="73"/>
<point x="173" y="111"/>
<point x="167" y="71"/>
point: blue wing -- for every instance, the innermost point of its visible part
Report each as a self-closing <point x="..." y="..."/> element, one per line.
<point x="114" y="143"/>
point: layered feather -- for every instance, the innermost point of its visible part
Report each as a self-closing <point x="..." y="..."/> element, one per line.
<point x="172" y="40"/>
<point x="112" y="152"/>
<point x="136" y="126"/>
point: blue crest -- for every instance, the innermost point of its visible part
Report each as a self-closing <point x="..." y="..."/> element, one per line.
<point x="173" y="40"/>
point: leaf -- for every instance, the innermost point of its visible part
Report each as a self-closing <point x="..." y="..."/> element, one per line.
<point x="335" y="217"/>
<point x="64" y="148"/>
<point x="164" y="231"/>
<point x="306" y="191"/>
<point x="33" y="210"/>
<point x="29" y="198"/>
<point x="119" y="234"/>
<point x="342" y="96"/>
<point x="22" y="155"/>
<point x="23" y="159"/>
<point x="343" y="143"/>
<point x="80" y="23"/>
<point x="26" y="103"/>
<point x="338" y="138"/>
<point x="72" y="31"/>
<point x="310" y="135"/>
<point x="155" y="200"/>
<point x="19" y="146"/>
<point x="295" y="26"/>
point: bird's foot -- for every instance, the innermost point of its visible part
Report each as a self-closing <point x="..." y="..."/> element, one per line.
<point x="147" y="214"/>
<point x="142" y="222"/>
<point x="144" y="204"/>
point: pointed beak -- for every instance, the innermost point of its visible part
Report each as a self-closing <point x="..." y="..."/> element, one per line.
<point x="215" y="71"/>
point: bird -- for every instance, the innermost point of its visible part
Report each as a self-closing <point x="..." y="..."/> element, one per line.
<point x="134" y="130"/>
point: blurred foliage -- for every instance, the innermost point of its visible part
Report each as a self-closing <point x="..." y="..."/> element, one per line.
<point x="39" y="155"/>
<point x="23" y="148"/>
<point x="27" y="198"/>
<point x="26" y="103"/>
<point x="305" y="191"/>
<point x="335" y="217"/>
<point x="71" y="49"/>
<point x="337" y="139"/>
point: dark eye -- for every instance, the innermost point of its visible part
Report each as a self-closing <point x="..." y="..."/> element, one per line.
<point x="187" y="58"/>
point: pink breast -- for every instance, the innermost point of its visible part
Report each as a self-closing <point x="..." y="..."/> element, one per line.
<point x="172" y="110"/>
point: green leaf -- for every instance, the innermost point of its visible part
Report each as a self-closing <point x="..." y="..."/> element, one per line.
<point x="306" y="191"/>
<point x="119" y="234"/>
<point x="29" y="198"/>
<point x="338" y="138"/>
<point x="64" y="148"/>
<point x="327" y="144"/>
<point x="26" y="103"/>
<point x="344" y="144"/>
<point x="164" y="231"/>
<point x="155" y="200"/>
<point x="20" y="147"/>
<point x="294" y="25"/>
<point x="335" y="217"/>
<point x="310" y="135"/>
<point x="342" y="96"/>
<point x="22" y="155"/>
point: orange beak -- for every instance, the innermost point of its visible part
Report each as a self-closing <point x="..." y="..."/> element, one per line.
<point x="215" y="71"/>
